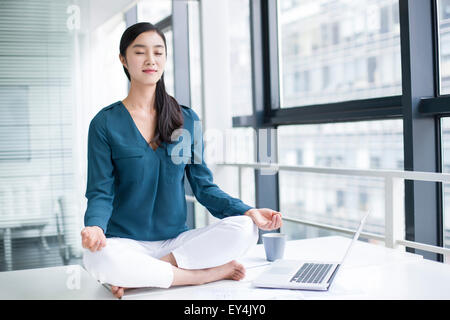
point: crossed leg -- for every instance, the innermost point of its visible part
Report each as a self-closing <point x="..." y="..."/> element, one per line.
<point x="232" y="270"/>
<point x="193" y="255"/>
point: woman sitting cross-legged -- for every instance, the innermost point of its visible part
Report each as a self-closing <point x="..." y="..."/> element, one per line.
<point x="135" y="232"/>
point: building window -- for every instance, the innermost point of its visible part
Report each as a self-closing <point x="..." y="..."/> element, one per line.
<point x="340" y="199"/>
<point x="333" y="36"/>
<point x="337" y="145"/>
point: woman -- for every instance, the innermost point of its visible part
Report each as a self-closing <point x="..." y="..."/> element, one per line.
<point x="135" y="231"/>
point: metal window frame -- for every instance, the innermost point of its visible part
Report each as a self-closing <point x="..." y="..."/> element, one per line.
<point x="420" y="139"/>
<point x="420" y="106"/>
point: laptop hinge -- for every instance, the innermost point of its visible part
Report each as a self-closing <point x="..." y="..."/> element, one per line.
<point x="333" y="274"/>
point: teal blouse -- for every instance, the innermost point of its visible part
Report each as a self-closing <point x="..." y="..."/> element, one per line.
<point x="136" y="192"/>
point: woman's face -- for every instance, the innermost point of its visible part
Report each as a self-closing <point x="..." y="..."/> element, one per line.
<point x="146" y="53"/>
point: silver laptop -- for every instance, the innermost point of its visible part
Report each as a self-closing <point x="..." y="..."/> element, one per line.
<point x="306" y="275"/>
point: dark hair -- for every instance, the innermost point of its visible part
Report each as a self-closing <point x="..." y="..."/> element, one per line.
<point x="168" y="111"/>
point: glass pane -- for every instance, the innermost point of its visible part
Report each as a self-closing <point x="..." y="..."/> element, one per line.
<point x="153" y="11"/>
<point x="340" y="50"/>
<point x="336" y="199"/>
<point x="169" y="77"/>
<point x="239" y="57"/>
<point x="234" y="145"/>
<point x="445" y="122"/>
<point x="109" y="80"/>
<point x="195" y="69"/>
<point x="444" y="45"/>
<point x="239" y="145"/>
<point x="40" y="136"/>
<point x="295" y="231"/>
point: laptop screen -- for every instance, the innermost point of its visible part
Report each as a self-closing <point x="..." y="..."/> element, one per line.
<point x="356" y="236"/>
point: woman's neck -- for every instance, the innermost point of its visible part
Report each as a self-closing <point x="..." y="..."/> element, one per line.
<point x="141" y="98"/>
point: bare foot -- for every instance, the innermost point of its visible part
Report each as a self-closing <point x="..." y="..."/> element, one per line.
<point x="118" y="291"/>
<point x="232" y="270"/>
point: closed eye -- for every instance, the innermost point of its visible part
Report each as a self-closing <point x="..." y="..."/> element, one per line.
<point x="158" y="54"/>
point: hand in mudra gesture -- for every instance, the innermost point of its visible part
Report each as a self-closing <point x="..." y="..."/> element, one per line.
<point x="93" y="238"/>
<point x="265" y="218"/>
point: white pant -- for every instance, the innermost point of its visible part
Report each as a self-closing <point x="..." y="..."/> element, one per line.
<point x="131" y="264"/>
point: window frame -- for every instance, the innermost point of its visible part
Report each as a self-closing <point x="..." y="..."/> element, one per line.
<point x="419" y="108"/>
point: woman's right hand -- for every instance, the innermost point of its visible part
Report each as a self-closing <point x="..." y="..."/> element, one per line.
<point x="93" y="238"/>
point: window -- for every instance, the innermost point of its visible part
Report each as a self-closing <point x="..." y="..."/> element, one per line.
<point x="371" y="69"/>
<point x="375" y="162"/>
<point x="338" y="145"/>
<point x="299" y="158"/>
<point x="109" y="81"/>
<point x="384" y="16"/>
<point x="445" y="125"/>
<point x="363" y="201"/>
<point x="444" y="45"/>
<point x="227" y="83"/>
<point x="153" y="11"/>
<point x="234" y="145"/>
<point x="336" y="33"/>
<point x="39" y="167"/>
<point x="239" y="60"/>
<point x="195" y="68"/>
<point x="336" y="38"/>
<point x="325" y="77"/>
<point x="169" y="77"/>
<point x="340" y="199"/>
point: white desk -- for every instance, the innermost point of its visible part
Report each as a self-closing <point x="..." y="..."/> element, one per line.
<point x="55" y="283"/>
<point x="371" y="272"/>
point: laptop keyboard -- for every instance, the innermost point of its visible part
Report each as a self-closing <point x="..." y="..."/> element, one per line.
<point x="311" y="273"/>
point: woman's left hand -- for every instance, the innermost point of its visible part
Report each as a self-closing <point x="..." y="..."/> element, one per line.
<point x="265" y="219"/>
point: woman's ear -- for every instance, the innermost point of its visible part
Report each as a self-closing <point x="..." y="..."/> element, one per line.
<point x="123" y="60"/>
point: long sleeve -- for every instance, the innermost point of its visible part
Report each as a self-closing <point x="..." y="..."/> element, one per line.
<point x="100" y="177"/>
<point x="200" y="177"/>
